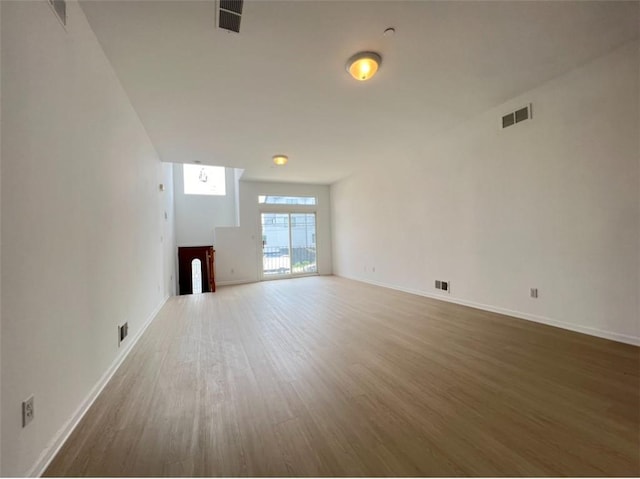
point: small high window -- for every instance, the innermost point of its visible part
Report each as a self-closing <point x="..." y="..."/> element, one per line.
<point x="204" y="180"/>
<point x="287" y="200"/>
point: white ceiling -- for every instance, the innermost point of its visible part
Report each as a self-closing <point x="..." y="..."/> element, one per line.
<point x="280" y="85"/>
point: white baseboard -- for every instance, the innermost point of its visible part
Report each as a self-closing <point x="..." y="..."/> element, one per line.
<point x="249" y="281"/>
<point x="239" y="281"/>
<point x="622" y="338"/>
<point x="65" y="431"/>
<point x="253" y="280"/>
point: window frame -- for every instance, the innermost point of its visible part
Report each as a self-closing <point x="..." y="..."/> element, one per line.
<point x="223" y="184"/>
<point x="287" y="203"/>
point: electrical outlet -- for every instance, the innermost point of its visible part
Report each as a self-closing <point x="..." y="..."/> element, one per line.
<point x="28" y="411"/>
<point x="438" y="284"/>
<point x="445" y="286"/>
<point x="533" y="292"/>
<point x="122" y="332"/>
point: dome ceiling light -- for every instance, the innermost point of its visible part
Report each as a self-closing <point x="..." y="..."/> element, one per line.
<point x="364" y="65"/>
<point x="280" y="160"/>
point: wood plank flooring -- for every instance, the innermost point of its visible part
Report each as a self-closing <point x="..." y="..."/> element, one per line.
<point x="324" y="376"/>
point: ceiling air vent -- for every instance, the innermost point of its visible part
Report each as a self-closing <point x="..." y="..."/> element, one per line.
<point x="517" y="116"/>
<point x="60" y="8"/>
<point x="229" y="15"/>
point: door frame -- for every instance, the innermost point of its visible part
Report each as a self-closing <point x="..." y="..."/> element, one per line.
<point x="284" y="209"/>
<point x="186" y="254"/>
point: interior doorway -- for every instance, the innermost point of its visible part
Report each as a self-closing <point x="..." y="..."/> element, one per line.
<point x="196" y="269"/>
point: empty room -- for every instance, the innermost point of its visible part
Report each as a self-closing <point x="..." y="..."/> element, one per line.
<point x="319" y="238"/>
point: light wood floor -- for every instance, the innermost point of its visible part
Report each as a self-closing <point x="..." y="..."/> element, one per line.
<point x="325" y="376"/>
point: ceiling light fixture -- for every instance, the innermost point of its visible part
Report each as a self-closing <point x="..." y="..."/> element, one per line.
<point x="280" y="160"/>
<point x="364" y="65"/>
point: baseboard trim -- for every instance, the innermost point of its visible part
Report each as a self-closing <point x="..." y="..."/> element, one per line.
<point x="621" y="338"/>
<point x="65" y="431"/>
<point x="239" y="281"/>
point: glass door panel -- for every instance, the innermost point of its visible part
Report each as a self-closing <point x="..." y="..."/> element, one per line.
<point x="303" y="243"/>
<point x="288" y="244"/>
<point x="276" y="260"/>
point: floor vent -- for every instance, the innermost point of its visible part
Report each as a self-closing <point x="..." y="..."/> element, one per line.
<point x="230" y="14"/>
<point x="517" y="116"/>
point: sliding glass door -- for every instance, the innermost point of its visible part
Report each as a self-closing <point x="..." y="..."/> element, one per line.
<point x="288" y="244"/>
<point x="276" y="257"/>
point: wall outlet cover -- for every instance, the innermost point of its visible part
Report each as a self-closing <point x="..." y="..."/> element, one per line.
<point x="28" y="411"/>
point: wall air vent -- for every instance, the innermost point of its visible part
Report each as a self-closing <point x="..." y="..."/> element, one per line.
<point x="229" y="15"/>
<point x="60" y="8"/>
<point x="517" y="116"/>
<point x="522" y="114"/>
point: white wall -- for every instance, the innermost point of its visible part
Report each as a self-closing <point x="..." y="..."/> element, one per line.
<point x="238" y="249"/>
<point x="82" y="217"/>
<point x="198" y="215"/>
<point x="168" y="230"/>
<point x="550" y="203"/>
<point x="237" y="175"/>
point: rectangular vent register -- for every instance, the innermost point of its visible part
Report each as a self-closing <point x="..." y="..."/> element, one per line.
<point x="230" y="14"/>
<point x="517" y="116"/>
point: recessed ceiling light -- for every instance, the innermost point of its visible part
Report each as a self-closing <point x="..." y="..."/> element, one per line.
<point x="364" y="65"/>
<point x="280" y="160"/>
<point x="389" y="32"/>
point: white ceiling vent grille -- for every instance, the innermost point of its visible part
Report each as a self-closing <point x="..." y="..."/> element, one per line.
<point x="230" y="14"/>
<point x="517" y="116"/>
<point x="60" y="9"/>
